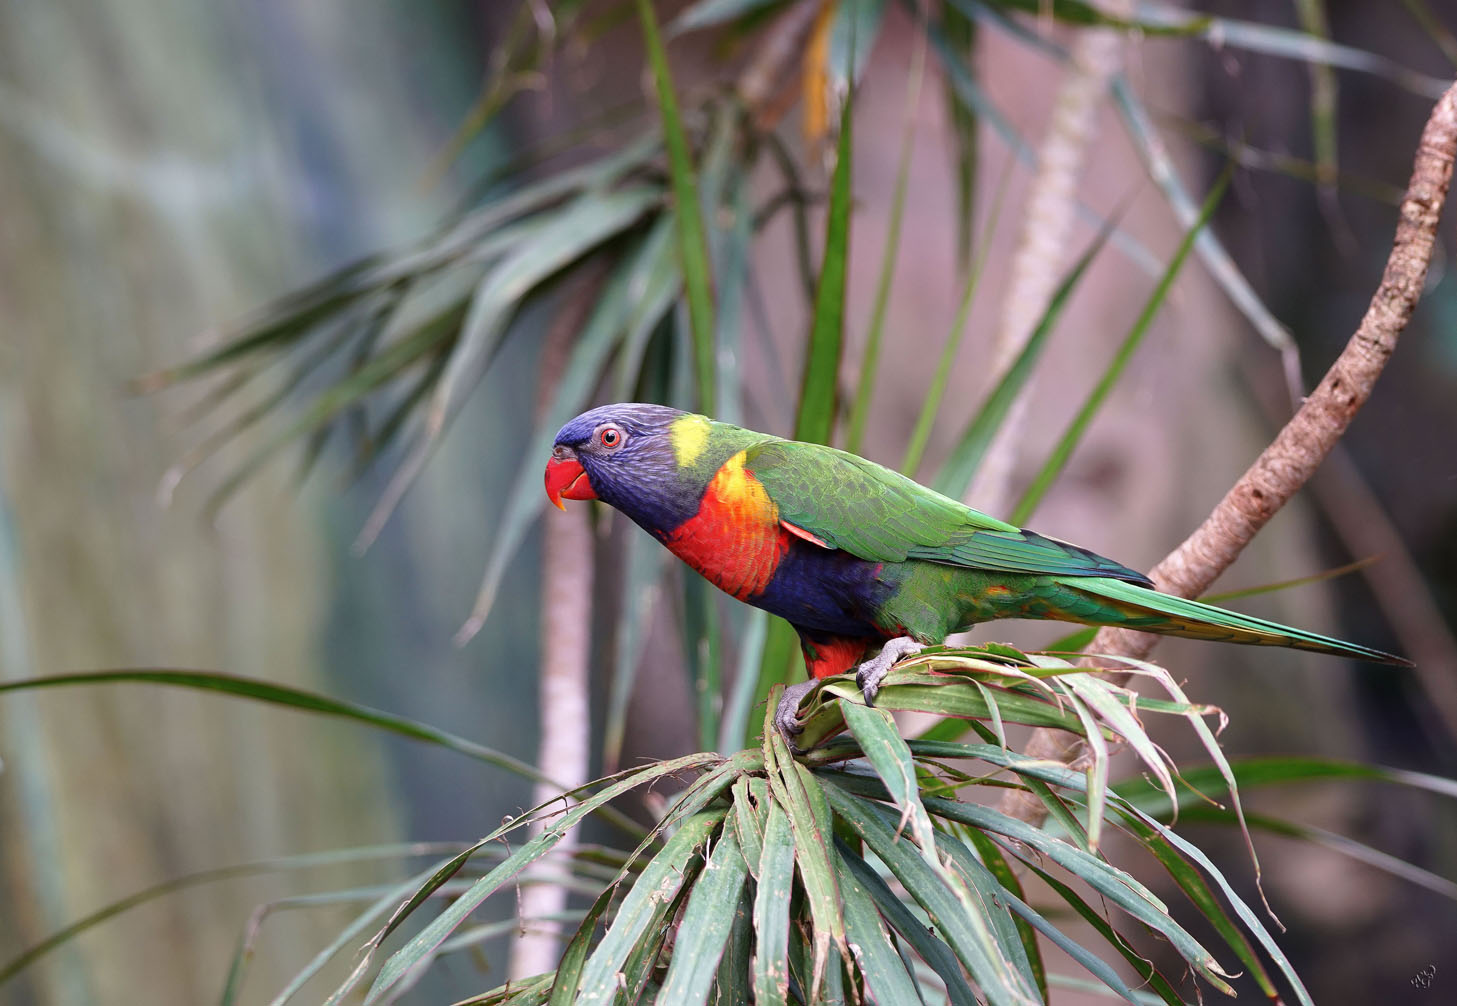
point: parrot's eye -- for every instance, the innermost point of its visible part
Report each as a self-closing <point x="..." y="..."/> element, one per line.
<point x="611" y="437"/>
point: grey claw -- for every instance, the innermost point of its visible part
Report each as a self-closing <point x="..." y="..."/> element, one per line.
<point x="872" y="672"/>
<point x="786" y="718"/>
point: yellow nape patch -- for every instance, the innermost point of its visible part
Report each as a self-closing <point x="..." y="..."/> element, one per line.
<point x="736" y="489"/>
<point x="689" y="436"/>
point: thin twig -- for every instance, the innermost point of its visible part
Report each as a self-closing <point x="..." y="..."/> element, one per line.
<point x="1298" y="449"/>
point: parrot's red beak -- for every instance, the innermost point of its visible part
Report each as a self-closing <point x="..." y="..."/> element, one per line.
<point x="566" y="478"/>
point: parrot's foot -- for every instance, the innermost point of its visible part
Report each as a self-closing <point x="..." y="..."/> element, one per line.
<point x="872" y="672"/>
<point x="786" y="718"/>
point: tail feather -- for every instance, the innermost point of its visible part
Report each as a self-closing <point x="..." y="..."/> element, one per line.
<point x="1151" y="611"/>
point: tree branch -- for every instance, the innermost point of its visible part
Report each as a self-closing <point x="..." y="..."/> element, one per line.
<point x="1298" y="449"/>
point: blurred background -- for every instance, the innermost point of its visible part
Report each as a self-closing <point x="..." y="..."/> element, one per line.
<point x="167" y="167"/>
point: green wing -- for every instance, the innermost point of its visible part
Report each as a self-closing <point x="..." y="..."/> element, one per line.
<point x="882" y="516"/>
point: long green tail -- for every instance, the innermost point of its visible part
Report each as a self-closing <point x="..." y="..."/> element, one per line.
<point x="1150" y="611"/>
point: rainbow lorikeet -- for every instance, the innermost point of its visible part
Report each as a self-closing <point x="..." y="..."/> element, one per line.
<point x="856" y="557"/>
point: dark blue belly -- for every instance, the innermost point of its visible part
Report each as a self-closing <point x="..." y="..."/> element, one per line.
<point x="829" y="591"/>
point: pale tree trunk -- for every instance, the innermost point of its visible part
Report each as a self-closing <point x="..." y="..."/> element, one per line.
<point x="564" y="751"/>
<point x="1042" y="249"/>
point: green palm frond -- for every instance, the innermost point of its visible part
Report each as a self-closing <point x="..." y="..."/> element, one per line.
<point x="869" y="864"/>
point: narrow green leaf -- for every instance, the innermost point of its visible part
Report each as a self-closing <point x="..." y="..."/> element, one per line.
<point x="1145" y="970"/>
<point x="497" y="226"/>
<point x="1299" y="581"/>
<point x="875" y="953"/>
<point x="1348" y="847"/>
<point x="735" y="238"/>
<point x="430" y="938"/>
<point x="1211" y="252"/>
<point x="963" y="84"/>
<point x="804" y="801"/>
<point x="994" y="711"/>
<point x="269" y="404"/>
<point x="1288" y="43"/>
<point x="771" y="909"/>
<point x="732" y="986"/>
<point x="1075" y="984"/>
<point x="283" y="695"/>
<point x="1217" y="756"/>
<point x="706" y="924"/>
<point x="347" y="936"/>
<point x="1088" y="15"/>
<point x="1058" y="459"/>
<point x="988" y="898"/>
<point x="798" y="202"/>
<point x="657" y="884"/>
<point x="1197" y="890"/>
<point x="1073" y="642"/>
<point x="275" y="327"/>
<point x="305" y="861"/>
<point x="1252" y="772"/>
<point x="472" y="937"/>
<point x="960" y="31"/>
<point x="382" y="895"/>
<point x="966" y="457"/>
<point x="965" y="930"/>
<point x="692" y="243"/>
<point x="369" y="448"/>
<point x="1025" y="914"/>
<point x="1115" y="707"/>
<point x="948" y="729"/>
<point x="702" y="640"/>
<point x="1323" y="98"/>
<point x="563" y="238"/>
<point x="887" y="753"/>
<point x="386" y="366"/>
<point x="707" y="13"/>
<point x="990" y="854"/>
<point x="853" y="34"/>
<point x="1097" y="770"/>
<point x="531" y="992"/>
<point x="931" y="408"/>
<point x="917" y="689"/>
<point x="913" y="930"/>
<point x="637" y="981"/>
<point x="750" y="813"/>
<point x="1246" y="915"/>
<point x="640" y="967"/>
<point x="574" y="957"/>
<point x="1114" y="884"/>
<point x="815" y="420"/>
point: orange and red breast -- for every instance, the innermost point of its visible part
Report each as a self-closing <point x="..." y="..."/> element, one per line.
<point x="735" y="539"/>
